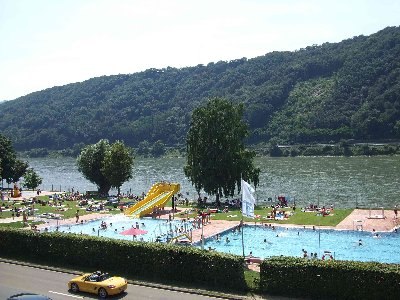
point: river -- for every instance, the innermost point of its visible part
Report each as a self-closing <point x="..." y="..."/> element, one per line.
<point x="342" y="181"/>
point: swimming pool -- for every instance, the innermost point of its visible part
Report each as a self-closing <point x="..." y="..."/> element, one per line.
<point x="265" y="242"/>
<point x="116" y="224"/>
<point x="262" y="241"/>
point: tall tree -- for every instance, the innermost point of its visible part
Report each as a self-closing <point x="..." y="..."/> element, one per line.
<point x="11" y="168"/>
<point x="117" y="164"/>
<point x="216" y="156"/>
<point x="106" y="165"/>
<point x="7" y="157"/>
<point x="90" y="163"/>
<point x="31" y="179"/>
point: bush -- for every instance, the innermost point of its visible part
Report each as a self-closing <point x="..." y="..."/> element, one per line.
<point x="136" y="260"/>
<point x="297" y="277"/>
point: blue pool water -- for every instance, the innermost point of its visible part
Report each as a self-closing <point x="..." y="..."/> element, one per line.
<point x="155" y="228"/>
<point x="344" y="245"/>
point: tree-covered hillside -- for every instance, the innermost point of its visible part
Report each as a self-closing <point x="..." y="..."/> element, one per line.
<point x="346" y="90"/>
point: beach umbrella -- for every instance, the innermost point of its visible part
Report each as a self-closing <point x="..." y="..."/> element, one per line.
<point x="133" y="232"/>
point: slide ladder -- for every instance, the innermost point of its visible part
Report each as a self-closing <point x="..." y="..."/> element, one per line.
<point x="178" y="238"/>
<point x="159" y="194"/>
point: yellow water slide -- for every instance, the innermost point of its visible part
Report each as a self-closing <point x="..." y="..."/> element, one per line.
<point x="158" y="195"/>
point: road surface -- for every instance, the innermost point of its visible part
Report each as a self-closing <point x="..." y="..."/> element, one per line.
<point x="16" y="279"/>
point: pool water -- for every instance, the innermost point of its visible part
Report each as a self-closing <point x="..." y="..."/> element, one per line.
<point x="262" y="241"/>
<point x="265" y="242"/>
<point x="116" y="224"/>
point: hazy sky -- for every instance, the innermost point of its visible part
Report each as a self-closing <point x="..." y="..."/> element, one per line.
<point x="44" y="43"/>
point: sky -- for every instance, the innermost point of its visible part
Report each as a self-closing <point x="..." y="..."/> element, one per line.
<point x="46" y="43"/>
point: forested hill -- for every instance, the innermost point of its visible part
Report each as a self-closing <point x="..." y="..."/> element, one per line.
<point x="346" y="90"/>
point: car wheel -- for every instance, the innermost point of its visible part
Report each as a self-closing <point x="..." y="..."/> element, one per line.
<point x="102" y="293"/>
<point x="74" y="287"/>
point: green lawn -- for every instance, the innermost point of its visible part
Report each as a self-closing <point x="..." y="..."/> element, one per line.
<point x="252" y="279"/>
<point x="298" y="217"/>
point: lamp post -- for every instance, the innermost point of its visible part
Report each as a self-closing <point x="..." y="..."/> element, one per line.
<point x="173" y="207"/>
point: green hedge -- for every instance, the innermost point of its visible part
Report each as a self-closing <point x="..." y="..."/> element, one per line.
<point x="136" y="260"/>
<point x="317" y="279"/>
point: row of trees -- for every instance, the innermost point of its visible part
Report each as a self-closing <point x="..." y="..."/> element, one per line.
<point x="216" y="156"/>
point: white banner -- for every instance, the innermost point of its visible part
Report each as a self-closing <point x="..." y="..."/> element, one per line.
<point x="248" y="200"/>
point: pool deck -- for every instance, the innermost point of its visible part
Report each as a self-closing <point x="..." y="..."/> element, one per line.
<point x="361" y="217"/>
<point x="370" y="221"/>
<point x="72" y="221"/>
<point x="212" y="229"/>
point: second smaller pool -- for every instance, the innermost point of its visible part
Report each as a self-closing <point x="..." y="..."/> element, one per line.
<point x="157" y="230"/>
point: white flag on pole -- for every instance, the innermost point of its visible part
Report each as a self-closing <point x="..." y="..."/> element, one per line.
<point x="248" y="200"/>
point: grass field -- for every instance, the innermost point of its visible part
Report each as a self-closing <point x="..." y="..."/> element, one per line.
<point x="297" y="218"/>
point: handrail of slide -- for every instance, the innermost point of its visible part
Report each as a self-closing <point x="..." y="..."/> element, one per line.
<point x="177" y="238"/>
<point x="158" y="195"/>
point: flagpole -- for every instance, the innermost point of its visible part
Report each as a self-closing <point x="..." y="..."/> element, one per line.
<point x="242" y="228"/>
<point x="241" y="222"/>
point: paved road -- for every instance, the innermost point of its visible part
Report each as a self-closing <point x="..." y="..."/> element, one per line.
<point x="16" y="279"/>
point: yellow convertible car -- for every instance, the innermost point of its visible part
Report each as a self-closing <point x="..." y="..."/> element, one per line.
<point x="98" y="283"/>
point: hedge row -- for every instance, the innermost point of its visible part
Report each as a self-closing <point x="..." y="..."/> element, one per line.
<point x="136" y="260"/>
<point x="317" y="279"/>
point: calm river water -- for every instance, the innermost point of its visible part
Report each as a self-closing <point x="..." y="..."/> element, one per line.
<point x="341" y="181"/>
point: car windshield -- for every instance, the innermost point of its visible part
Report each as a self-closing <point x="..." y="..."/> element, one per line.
<point x="104" y="276"/>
